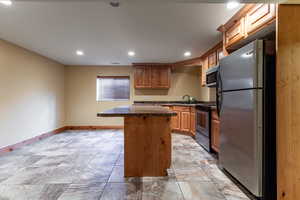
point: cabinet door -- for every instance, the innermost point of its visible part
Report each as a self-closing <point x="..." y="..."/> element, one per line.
<point x="220" y="54"/>
<point x="203" y="71"/>
<point x="193" y="123"/>
<point x="260" y="15"/>
<point x="212" y="59"/>
<point x="175" y="121"/>
<point x="160" y="77"/>
<point x="215" y="135"/>
<point x="235" y="33"/>
<point x="185" y="121"/>
<point x="142" y="77"/>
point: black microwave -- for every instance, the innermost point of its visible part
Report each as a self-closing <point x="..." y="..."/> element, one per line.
<point x="212" y="76"/>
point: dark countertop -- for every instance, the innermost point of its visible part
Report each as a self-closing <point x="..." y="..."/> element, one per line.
<point x="177" y="103"/>
<point x="124" y="111"/>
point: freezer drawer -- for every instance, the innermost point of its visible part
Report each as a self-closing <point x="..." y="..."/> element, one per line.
<point x="241" y="137"/>
<point x="243" y="68"/>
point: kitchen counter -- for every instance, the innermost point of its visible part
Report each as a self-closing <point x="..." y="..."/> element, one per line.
<point x="147" y="139"/>
<point x="177" y="103"/>
<point x="135" y="110"/>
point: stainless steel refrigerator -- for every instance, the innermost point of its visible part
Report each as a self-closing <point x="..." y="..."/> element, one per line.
<point x="246" y="105"/>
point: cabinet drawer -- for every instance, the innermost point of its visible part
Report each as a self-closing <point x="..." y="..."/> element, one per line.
<point x="181" y="108"/>
<point x="259" y="16"/>
<point x="235" y="33"/>
<point x="214" y="115"/>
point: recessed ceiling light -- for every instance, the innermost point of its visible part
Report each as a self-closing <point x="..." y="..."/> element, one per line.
<point x="114" y="3"/>
<point x="232" y="4"/>
<point x="79" y="53"/>
<point x="131" y="53"/>
<point x="187" y="54"/>
<point x="6" y="2"/>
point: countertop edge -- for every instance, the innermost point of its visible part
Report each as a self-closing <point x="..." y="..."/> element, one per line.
<point x="135" y="114"/>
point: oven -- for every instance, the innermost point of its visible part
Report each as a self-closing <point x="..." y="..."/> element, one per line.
<point x="203" y="126"/>
<point x="212" y="76"/>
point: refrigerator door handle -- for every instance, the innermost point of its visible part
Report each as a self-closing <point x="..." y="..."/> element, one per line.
<point x="219" y="92"/>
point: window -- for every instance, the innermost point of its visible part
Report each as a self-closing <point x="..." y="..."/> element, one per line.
<point x="113" y="88"/>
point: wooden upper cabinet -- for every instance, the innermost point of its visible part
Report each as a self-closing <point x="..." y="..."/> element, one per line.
<point x="160" y="77"/>
<point x="220" y="54"/>
<point x="152" y="77"/>
<point x="142" y="77"/>
<point x="235" y="33"/>
<point x="260" y="15"/>
<point x="203" y="71"/>
<point x="247" y="21"/>
<point x="212" y="59"/>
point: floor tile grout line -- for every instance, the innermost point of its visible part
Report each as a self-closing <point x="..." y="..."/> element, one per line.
<point x="200" y="161"/>
<point x="180" y="190"/>
<point x="106" y="183"/>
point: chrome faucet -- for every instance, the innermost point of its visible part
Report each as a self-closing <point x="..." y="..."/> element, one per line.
<point x="189" y="97"/>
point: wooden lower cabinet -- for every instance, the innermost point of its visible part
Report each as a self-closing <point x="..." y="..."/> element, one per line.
<point x="185" y="121"/>
<point x="215" y="132"/>
<point x="175" y="121"/>
<point x="215" y="135"/>
<point x="193" y="123"/>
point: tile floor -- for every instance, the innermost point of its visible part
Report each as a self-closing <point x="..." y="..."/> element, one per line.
<point x="88" y="165"/>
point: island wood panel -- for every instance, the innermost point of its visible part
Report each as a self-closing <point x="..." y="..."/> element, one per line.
<point x="288" y="104"/>
<point x="147" y="145"/>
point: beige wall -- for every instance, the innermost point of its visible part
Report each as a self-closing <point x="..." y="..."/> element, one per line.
<point x="32" y="94"/>
<point x="39" y="95"/>
<point x="80" y="84"/>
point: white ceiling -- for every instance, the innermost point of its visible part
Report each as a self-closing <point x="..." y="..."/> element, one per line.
<point x="156" y="32"/>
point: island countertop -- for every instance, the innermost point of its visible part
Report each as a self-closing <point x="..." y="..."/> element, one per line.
<point x="123" y="111"/>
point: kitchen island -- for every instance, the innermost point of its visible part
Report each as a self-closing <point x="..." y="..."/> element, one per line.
<point x="147" y="139"/>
